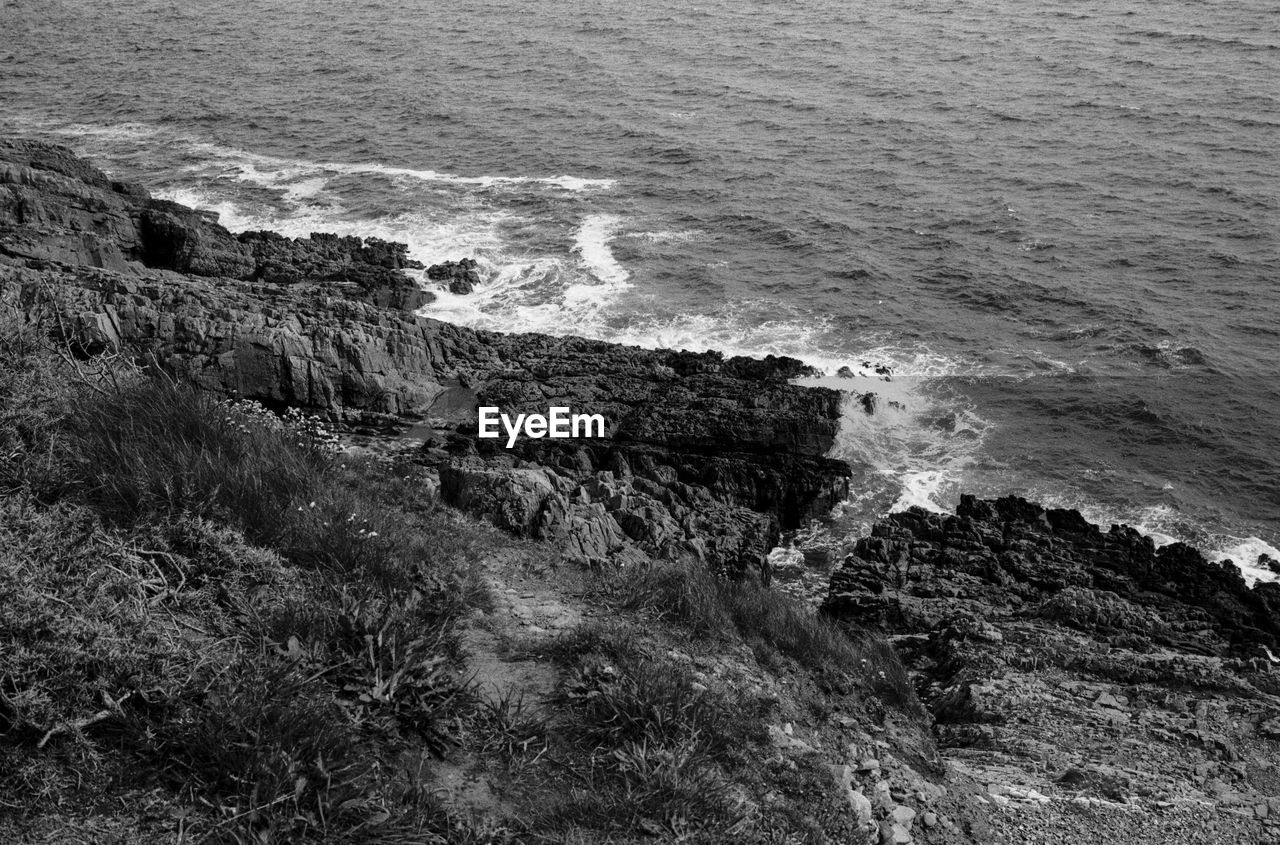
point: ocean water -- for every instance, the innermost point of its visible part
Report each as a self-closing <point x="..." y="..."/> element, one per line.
<point x="1057" y="224"/>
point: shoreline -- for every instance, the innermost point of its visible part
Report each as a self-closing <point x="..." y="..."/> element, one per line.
<point x="427" y="388"/>
<point x="1003" y="666"/>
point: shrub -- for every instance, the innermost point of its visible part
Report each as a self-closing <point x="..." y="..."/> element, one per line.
<point x="707" y="604"/>
<point x="510" y="726"/>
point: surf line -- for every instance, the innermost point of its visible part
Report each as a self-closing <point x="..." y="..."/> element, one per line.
<point x="558" y="422"/>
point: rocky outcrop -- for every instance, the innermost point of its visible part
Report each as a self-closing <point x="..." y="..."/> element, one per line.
<point x="55" y="207"/>
<point x="703" y="456"/>
<point x="460" y="277"/>
<point x="1089" y="662"/>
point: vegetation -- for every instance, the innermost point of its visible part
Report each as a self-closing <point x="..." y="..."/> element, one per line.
<point x="707" y="605"/>
<point x="214" y="617"/>
<point x="201" y="595"/>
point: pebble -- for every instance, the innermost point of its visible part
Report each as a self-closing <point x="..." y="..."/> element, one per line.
<point x="894" y="834"/>
<point x="903" y="815"/>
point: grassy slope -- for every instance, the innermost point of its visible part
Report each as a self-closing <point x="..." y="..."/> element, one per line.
<point x="217" y="629"/>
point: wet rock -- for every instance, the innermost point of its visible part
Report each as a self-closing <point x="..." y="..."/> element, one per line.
<point x="460" y="277"/>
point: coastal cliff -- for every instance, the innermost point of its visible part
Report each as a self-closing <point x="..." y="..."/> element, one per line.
<point x="704" y="457"/>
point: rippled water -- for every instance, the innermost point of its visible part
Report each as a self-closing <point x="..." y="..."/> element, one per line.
<point x="1058" y="223"/>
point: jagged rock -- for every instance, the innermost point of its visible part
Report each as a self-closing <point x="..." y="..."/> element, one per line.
<point x="365" y="268"/>
<point x="174" y="237"/>
<point x="707" y="458"/>
<point x="987" y="604"/>
<point x="460" y="276"/>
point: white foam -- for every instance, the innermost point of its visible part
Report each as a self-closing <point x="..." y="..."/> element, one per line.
<point x="664" y="237"/>
<point x="917" y="444"/>
<point x="273" y="171"/>
<point x="1244" y="553"/>
<point x="592" y="243"/>
<point x="232" y="216"/>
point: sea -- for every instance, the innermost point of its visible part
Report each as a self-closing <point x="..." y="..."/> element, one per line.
<point x="1057" y="224"/>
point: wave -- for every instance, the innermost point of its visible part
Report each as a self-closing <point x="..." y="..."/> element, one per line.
<point x="592" y="244"/>
<point x="1246" y="553"/>
<point x="431" y="240"/>
<point x="664" y="237"/>
<point x="913" y="441"/>
<point x="274" y="171"/>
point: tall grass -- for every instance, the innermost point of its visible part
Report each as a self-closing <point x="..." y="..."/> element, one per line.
<point x="157" y="448"/>
<point x="708" y="605"/>
<point x="213" y="602"/>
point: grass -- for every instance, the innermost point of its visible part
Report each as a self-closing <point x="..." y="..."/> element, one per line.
<point x="203" y="599"/>
<point x="157" y="447"/>
<point x="710" y="606"/>
<point x="656" y="749"/>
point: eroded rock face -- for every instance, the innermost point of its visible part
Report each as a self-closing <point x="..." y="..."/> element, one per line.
<point x="1083" y="659"/>
<point x="703" y="456"/>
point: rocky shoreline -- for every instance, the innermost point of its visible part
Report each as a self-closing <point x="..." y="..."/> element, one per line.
<point x="1059" y="661"/>
<point x="704" y="457"/>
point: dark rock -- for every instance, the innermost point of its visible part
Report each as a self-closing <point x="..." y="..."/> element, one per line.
<point x="460" y="276"/>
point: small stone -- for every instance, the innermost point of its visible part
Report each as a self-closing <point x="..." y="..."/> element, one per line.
<point x="868" y="764"/>
<point x="894" y="834"/>
<point x="903" y="815"/>
<point x="1000" y="800"/>
<point x="1262" y="811"/>
<point x="929" y="819"/>
<point x="861" y="807"/>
